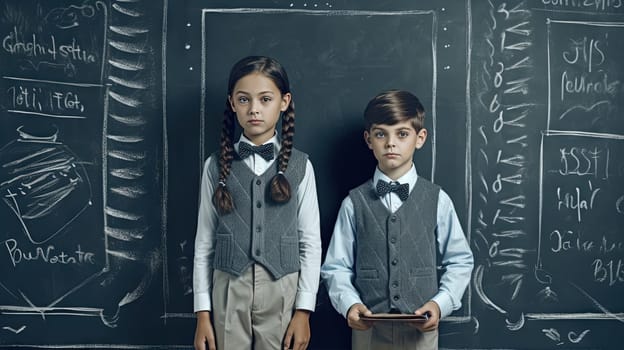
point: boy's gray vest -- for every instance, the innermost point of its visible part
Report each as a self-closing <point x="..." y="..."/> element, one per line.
<point x="395" y="261"/>
<point x="259" y="229"/>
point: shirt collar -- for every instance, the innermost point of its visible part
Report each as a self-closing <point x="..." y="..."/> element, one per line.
<point x="409" y="178"/>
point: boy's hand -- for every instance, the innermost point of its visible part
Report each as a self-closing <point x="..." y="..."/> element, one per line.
<point x="353" y="317"/>
<point x="433" y="310"/>
<point x="298" y="332"/>
<point x="204" y="333"/>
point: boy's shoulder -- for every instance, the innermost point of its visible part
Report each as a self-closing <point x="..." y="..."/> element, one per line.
<point x="427" y="187"/>
<point x="428" y="183"/>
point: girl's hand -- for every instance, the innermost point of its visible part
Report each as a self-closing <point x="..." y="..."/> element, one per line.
<point x="353" y="317"/>
<point x="204" y="333"/>
<point x="431" y="308"/>
<point x="298" y="332"/>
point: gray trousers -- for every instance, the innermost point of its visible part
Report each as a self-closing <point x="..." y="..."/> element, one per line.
<point x="393" y="336"/>
<point x="252" y="311"/>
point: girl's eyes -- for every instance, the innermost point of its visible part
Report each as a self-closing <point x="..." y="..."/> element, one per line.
<point x="243" y="99"/>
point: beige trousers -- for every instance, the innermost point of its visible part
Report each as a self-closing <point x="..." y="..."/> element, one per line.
<point x="252" y="311"/>
<point x="393" y="336"/>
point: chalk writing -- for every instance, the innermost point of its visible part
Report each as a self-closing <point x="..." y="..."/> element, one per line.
<point x="585" y="52"/>
<point x="576" y="202"/>
<point x="583" y="84"/>
<point x="44" y="100"/>
<point x="575" y="242"/>
<point x="32" y="45"/>
<point x="608" y="271"/>
<point x="583" y="161"/>
<point x="583" y="77"/>
<point x="603" y="5"/>
<point x="49" y="255"/>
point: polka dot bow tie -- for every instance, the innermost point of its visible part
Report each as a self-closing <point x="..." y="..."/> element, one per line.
<point x="383" y="188"/>
<point x="265" y="151"/>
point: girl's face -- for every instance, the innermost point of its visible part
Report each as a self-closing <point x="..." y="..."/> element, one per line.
<point x="257" y="102"/>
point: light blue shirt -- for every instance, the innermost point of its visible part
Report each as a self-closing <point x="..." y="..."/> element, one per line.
<point x="308" y="228"/>
<point x="456" y="257"/>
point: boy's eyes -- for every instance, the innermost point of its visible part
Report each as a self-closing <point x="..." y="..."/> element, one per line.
<point x="381" y="134"/>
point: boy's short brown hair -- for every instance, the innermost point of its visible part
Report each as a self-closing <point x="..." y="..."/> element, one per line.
<point x="394" y="106"/>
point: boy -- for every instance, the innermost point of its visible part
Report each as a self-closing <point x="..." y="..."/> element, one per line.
<point x="389" y="233"/>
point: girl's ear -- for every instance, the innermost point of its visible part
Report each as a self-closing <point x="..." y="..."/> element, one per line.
<point x="286" y="98"/>
<point x="231" y="103"/>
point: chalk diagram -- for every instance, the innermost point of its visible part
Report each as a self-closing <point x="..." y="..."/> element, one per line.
<point x="79" y="224"/>
<point x="40" y="176"/>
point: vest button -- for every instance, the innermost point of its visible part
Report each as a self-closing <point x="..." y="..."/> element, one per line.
<point x="395" y="284"/>
<point x="393" y="218"/>
<point x="258" y="182"/>
<point x="258" y="252"/>
<point x="259" y="204"/>
<point x="395" y="261"/>
<point x="396" y="297"/>
<point x="392" y="240"/>
<point x="258" y="228"/>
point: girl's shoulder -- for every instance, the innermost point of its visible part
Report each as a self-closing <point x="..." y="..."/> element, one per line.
<point x="299" y="153"/>
<point x="211" y="165"/>
<point x="299" y="158"/>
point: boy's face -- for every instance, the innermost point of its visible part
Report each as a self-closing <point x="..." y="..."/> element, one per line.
<point x="394" y="146"/>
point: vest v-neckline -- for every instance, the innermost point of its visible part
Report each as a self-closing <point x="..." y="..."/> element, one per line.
<point x="251" y="170"/>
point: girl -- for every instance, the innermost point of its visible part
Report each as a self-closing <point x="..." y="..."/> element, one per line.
<point x="258" y="246"/>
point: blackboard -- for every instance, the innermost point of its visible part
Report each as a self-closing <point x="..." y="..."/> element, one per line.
<point x="109" y="109"/>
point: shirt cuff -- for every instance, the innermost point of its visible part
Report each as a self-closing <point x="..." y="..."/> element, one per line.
<point x="445" y="302"/>
<point x="346" y="302"/>
<point x="305" y="301"/>
<point x="202" y="302"/>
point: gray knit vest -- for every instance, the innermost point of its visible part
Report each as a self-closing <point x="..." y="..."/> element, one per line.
<point x="395" y="261"/>
<point x="259" y="229"/>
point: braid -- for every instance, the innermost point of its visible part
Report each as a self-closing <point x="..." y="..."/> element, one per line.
<point x="222" y="198"/>
<point x="280" y="187"/>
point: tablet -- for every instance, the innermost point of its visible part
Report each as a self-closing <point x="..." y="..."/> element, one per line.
<point x="395" y="317"/>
